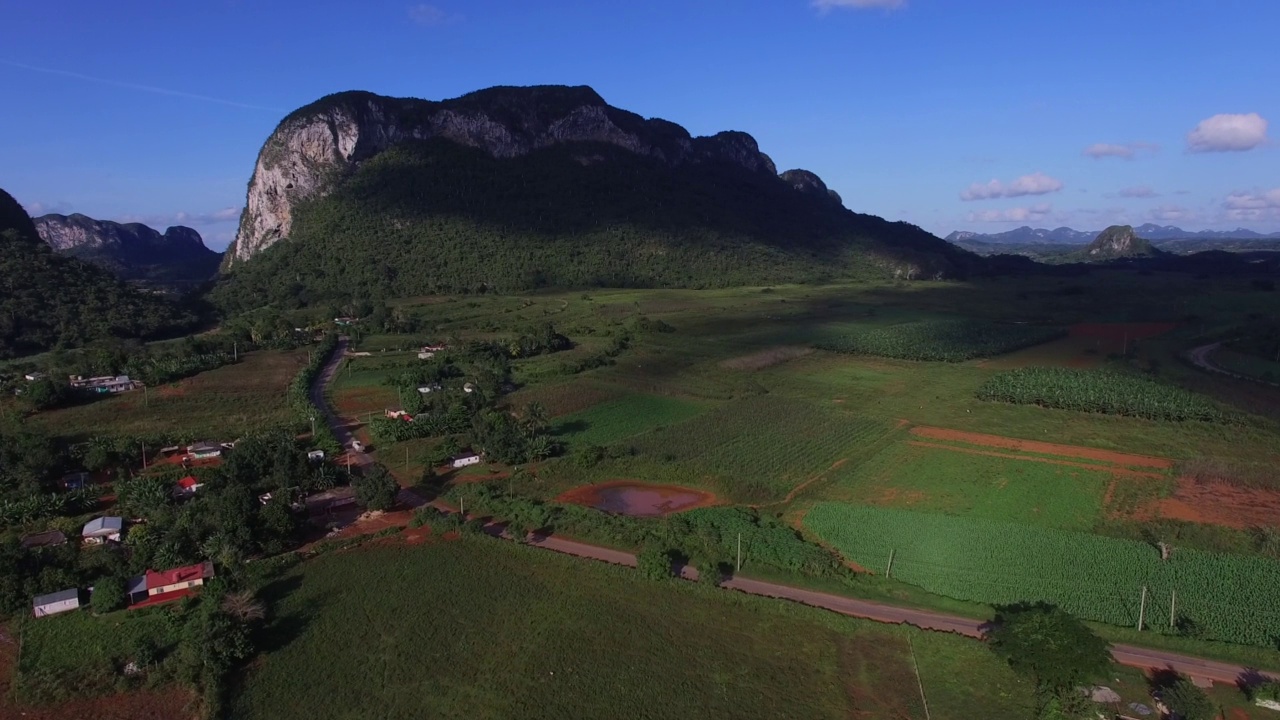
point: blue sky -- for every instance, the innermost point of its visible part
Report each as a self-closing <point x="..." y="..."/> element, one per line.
<point x="952" y="114"/>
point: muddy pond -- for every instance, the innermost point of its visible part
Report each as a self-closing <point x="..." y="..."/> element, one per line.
<point x="638" y="499"/>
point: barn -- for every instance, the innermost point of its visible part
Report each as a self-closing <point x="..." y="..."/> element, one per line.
<point x="54" y="603"/>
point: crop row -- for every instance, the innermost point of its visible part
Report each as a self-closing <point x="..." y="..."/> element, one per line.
<point x="1098" y="391"/>
<point x="945" y="340"/>
<point x="1214" y="596"/>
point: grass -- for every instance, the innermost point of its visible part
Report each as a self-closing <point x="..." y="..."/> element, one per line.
<point x="610" y="422"/>
<point x="224" y="403"/>
<point x="959" y="483"/>
<point x="483" y="629"/>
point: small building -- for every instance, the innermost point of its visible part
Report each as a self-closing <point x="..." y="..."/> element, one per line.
<point x="34" y="376"/>
<point x="105" y="384"/>
<point x="48" y="538"/>
<point x="426" y="354"/>
<point x="431" y="348"/>
<point x="74" y="481"/>
<point x="204" y="451"/>
<point x="466" y="459"/>
<point x="103" y="529"/>
<point x="315" y="456"/>
<point x="54" y="603"/>
<point x="430" y="388"/>
<point x="155" y="588"/>
<point x="187" y="486"/>
<point x="398" y="415"/>
<point x="343" y="321"/>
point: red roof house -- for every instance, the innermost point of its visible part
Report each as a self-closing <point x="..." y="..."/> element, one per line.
<point x="172" y="584"/>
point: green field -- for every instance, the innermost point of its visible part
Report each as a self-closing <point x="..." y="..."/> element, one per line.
<point x="609" y="422"/>
<point x="1223" y="597"/>
<point x="972" y="485"/>
<point x="484" y="629"/>
<point x="219" y="404"/>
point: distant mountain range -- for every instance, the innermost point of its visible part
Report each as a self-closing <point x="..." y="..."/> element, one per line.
<point x="132" y="251"/>
<point x="1026" y="235"/>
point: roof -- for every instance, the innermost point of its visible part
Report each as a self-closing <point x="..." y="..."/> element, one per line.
<point x="185" y="573"/>
<point x="60" y="596"/>
<point x="204" y="447"/>
<point x="466" y="455"/>
<point x="188" y="482"/>
<point x="103" y="526"/>
<point x="48" y="537"/>
<point x="137" y="584"/>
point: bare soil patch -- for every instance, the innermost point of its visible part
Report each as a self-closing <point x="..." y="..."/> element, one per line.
<point x="1218" y="503"/>
<point x="358" y="401"/>
<point x="1120" y="331"/>
<point x="628" y="497"/>
<point x="1051" y="461"/>
<point x="765" y="358"/>
<point x="1044" y="448"/>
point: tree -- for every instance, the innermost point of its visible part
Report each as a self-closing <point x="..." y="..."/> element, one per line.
<point x="376" y="489"/>
<point x="1181" y="696"/>
<point x="243" y="606"/>
<point x="1053" y="648"/>
<point x="109" y="594"/>
<point x="654" y="563"/>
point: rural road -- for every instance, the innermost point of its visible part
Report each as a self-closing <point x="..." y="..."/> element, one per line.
<point x="1198" y="669"/>
<point x="340" y="429"/>
<point x="1200" y="358"/>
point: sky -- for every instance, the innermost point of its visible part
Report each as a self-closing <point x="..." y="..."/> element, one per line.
<point x="979" y="115"/>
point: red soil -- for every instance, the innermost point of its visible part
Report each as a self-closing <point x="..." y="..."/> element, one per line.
<point x="1051" y="461"/>
<point x="597" y="495"/>
<point x="169" y="703"/>
<point x="1035" y="446"/>
<point x="1217" y="503"/>
<point x="1119" y="331"/>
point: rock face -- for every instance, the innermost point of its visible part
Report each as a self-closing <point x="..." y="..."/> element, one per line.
<point x="132" y="250"/>
<point x="316" y="146"/>
<point x="807" y="182"/>
<point x="1118" y="241"/>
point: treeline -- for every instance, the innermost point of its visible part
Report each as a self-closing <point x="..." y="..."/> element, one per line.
<point x="437" y="217"/>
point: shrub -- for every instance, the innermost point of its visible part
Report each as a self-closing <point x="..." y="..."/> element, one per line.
<point x="109" y="594"/>
<point x="376" y="489"/>
<point x="654" y="562"/>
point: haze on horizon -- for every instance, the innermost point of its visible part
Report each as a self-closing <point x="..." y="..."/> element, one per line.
<point x="978" y="116"/>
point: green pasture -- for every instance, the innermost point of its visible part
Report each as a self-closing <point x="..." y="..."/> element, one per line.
<point x="616" y="420"/>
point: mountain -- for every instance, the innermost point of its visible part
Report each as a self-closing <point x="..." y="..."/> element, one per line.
<point x="1066" y="236"/>
<point x="48" y="300"/>
<point x="132" y="251"/>
<point x="514" y="188"/>
<point x="1118" y="241"/>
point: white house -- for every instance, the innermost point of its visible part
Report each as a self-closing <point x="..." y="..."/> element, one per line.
<point x="204" y="450"/>
<point x="103" y="529"/>
<point x="34" y="376"/>
<point x="54" y="603"/>
<point x="466" y="459"/>
<point x="428" y="389"/>
<point x="426" y="354"/>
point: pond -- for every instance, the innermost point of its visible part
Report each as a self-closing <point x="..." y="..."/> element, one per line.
<point x="638" y="499"/>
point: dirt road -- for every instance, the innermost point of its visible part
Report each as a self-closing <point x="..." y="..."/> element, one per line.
<point x="341" y="429"/>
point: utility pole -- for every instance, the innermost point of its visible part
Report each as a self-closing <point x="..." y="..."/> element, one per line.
<point x="1142" y="609"/>
<point x="313" y="427"/>
<point x="144" y="456"/>
<point x="739" y="552"/>
<point x="235" y="353"/>
<point x="1173" y="603"/>
<point x="889" y="568"/>
<point x="145" y="399"/>
<point x="406" y="458"/>
<point x="916" y="665"/>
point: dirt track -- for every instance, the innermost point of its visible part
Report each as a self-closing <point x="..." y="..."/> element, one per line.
<point x="1044" y="448"/>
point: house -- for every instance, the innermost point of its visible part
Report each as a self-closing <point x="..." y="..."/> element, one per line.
<point x="103" y="529"/>
<point x="154" y="587"/>
<point x="204" y="451"/>
<point x="465" y="459"/>
<point x="343" y="321"/>
<point x="105" y="384"/>
<point x="187" y="486"/>
<point x="315" y="456"/>
<point x="74" y="481"/>
<point x="48" y="538"/>
<point x="33" y="376"/>
<point x="398" y="415"/>
<point x="431" y="348"/>
<point x="426" y="354"/>
<point x="428" y="389"/>
<point x="54" y="603"/>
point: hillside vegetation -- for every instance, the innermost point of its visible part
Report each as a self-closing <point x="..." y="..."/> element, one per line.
<point x="49" y="301"/>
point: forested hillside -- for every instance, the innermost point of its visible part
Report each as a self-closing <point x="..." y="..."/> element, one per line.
<point x="48" y="301"/>
<point x="437" y="216"/>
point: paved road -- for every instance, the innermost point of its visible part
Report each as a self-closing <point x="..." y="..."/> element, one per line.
<point x="1198" y="669"/>
<point x="1202" y="357"/>
<point x="340" y="428"/>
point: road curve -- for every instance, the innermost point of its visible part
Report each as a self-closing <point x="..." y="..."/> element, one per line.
<point x="1197" y="668"/>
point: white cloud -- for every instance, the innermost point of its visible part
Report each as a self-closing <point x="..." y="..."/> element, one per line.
<point x="1228" y="133"/>
<point x="428" y="15"/>
<point x="1138" y="191"/>
<point x="1253" y="207"/>
<point x="1036" y="213"/>
<point x="36" y="209"/>
<point x="828" y="5"/>
<point x="161" y="221"/>
<point x="1122" y="150"/>
<point x="1171" y="213"/>
<point x="1034" y="184"/>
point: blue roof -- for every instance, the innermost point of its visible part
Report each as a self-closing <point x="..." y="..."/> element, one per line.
<point x="51" y="598"/>
<point x="103" y="525"/>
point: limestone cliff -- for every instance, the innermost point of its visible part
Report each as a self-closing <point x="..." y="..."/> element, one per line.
<point x="131" y="250"/>
<point x="316" y="146"/>
<point x="1118" y="241"/>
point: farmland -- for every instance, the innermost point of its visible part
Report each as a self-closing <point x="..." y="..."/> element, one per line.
<point x="226" y="402"/>
<point x="480" y="629"/>
<point x="1096" y="391"/>
<point x="609" y="422"/>
<point x="945" y="340"/>
<point x="1218" y="597"/>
